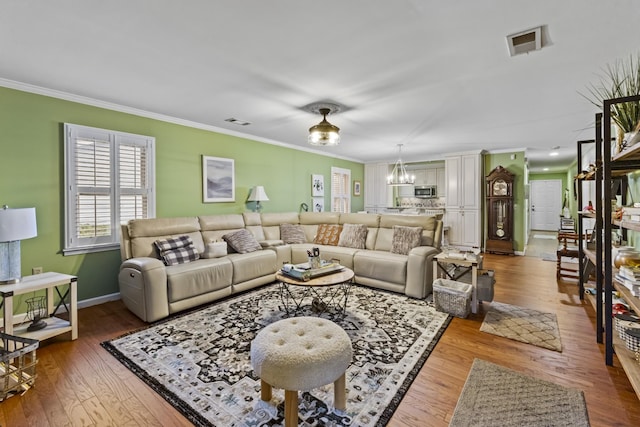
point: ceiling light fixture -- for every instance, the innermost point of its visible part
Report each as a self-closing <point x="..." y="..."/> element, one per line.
<point x="324" y="133"/>
<point x="399" y="175"/>
<point x="554" y="151"/>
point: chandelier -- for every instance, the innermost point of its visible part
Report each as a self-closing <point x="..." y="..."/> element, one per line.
<point x="324" y="133"/>
<point x="399" y="175"/>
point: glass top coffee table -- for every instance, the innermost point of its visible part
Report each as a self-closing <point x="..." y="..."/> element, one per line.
<point x="325" y="292"/>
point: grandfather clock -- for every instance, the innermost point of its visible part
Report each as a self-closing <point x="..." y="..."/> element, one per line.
<point x="500" y="211"/>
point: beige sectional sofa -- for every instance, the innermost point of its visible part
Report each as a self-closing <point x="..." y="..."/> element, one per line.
<point x="152" y="290"/>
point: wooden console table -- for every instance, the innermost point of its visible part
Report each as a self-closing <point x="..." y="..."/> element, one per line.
<point x="49" y="281"/>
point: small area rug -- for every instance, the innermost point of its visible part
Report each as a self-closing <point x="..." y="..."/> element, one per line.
<point x="496" y="396"/>
<point x="523" y="324"/>
<point x="199" y="362"/>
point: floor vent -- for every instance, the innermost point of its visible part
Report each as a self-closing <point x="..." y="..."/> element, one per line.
<point x="525" y="41"/>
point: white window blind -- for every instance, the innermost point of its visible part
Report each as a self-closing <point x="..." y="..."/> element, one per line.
<point x="340" y="190"/>
<point x="109" y="180"/>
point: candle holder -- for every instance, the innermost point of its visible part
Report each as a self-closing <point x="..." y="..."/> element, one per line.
<point x="36" y="312"/>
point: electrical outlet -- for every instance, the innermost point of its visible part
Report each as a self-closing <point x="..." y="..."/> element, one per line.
<point x="36" y="270"/>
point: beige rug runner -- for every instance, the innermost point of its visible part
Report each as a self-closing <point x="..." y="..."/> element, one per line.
<point x="496" y="396"/>
<point x="523" y="324"/>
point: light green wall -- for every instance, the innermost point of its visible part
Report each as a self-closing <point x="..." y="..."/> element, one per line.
<point x="32" y="147"/>
<point x="516" y="167"/>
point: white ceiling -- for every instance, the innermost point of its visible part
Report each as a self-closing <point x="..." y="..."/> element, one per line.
<point x="433" y="75"/>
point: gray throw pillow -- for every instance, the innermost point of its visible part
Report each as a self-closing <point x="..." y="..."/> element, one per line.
<point x="353" y="236"/>
<point x="405" y="239"/>
<point x="292" y="233"/>
<point x="242" y="241"/>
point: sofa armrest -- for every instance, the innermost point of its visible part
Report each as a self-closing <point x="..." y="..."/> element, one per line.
<point x="283" y="254"/>
<point x="420" y="271"/>
<point x="143" y="288"/>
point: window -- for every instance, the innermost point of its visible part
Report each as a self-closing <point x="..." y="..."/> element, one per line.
<point x="109" y="179"/>
<point x="340" y="190"/>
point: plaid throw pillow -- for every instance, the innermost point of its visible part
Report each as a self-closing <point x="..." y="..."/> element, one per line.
<point x="177" y="251"/>
<point x="170" y="244"/>
<point x="180" y="255"/>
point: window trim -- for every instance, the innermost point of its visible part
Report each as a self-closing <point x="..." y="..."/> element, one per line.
<point x="115" y="139"/>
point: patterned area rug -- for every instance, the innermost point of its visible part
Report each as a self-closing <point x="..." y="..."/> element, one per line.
<point x="523" y="324"/>
<point x="199" y="362"/>
<point x="496" y="396"/>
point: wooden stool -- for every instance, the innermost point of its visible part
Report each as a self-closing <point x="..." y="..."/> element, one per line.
<point x="299" y="354"/>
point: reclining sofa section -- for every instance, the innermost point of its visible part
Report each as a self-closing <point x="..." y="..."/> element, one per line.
<point x="153" y="290"/>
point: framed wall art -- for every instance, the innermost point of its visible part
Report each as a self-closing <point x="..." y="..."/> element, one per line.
<point x="317" y="185"/>
<point x="218" y="179"/>
<point x="356" y="188"/>
<point x="318" y="204"/>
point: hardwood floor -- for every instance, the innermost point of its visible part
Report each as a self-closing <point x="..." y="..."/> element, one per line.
<point x="80" y="384"/>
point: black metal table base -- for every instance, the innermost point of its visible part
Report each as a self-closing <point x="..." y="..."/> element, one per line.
<point x="323" y="298"/>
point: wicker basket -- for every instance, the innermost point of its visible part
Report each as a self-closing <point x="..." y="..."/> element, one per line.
<point x="452" y="297"/>
<point x="17" y="364"/>
<point x="631" y="337"/>
<point x="624" y="321"/>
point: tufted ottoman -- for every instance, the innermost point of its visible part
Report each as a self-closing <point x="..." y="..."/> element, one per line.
<point x="301" y="353"/>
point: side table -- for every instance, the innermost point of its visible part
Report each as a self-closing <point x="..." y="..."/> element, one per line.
<point x="49" y="281"/>
<point x="440" y="263"/>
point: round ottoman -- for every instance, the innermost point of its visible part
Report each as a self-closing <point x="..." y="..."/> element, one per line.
<point x="301" y="353"/>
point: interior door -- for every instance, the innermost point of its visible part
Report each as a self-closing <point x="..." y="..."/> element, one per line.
<point x="546" y="204"/>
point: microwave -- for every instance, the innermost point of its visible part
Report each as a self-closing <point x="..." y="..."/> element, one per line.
<point x="425" y="191"/>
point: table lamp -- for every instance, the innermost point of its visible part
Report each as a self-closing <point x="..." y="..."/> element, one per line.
<point x="15" y="225"/>
<point x="258" y="195"/>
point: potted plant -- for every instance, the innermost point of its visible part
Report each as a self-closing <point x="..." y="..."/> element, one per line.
<point x="620" y="79"/>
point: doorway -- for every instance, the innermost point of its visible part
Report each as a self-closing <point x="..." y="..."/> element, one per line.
<point x="546" y="204"/>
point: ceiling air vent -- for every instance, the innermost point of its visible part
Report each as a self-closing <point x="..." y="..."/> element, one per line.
<point x="237" y="122"/>
<point x="525" y="41"/>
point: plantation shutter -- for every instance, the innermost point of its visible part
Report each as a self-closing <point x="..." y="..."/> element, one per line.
<point x="340" y="190"/>
<point x="109" y="179"/>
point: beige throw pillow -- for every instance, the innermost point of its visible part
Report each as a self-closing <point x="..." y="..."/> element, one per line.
<point x="353" y="236"/>
<point x="405" y="239"/>
<point x="242" y="241"/>
<point x="292" y="233"/>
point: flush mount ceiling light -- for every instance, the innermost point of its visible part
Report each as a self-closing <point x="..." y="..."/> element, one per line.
<point x="554" y="151"/>
<point x="324" y="133"/>
<point x="399" y="175"/>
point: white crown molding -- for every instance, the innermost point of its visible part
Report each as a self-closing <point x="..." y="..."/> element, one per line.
<point x="39" y="90"/>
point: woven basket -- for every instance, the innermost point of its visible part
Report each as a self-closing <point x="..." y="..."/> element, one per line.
<point x="631" y="337"/>
<point x="452" y="297"/>
<point x="624" y="321"/>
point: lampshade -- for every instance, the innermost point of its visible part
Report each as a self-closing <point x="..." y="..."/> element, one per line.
<point x="399" y="175"/>
<point x="258" y="194"/>
<point x="324" y="133"/>
<point x="17" y="224"/>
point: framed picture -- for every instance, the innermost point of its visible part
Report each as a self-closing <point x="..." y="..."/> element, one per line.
<point x="356" y="188"/>
<point x="317" y="185"/>
<point x="318" y="204"/>
<point x="218" y="180"/>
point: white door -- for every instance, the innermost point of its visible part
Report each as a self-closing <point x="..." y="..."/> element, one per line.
<point x="546" y="204"/>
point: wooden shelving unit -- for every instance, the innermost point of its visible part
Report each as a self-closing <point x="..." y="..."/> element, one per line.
<point x="612" y="169"/>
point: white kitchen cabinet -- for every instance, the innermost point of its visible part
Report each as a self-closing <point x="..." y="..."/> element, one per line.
<point x="377" y="194"/>
<point x="405" y="191"/>
<point x="463" y="182"/>
<point x="441" y="182"/>
<point x="420" y="174"/>
<point x="431" y="178"/>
